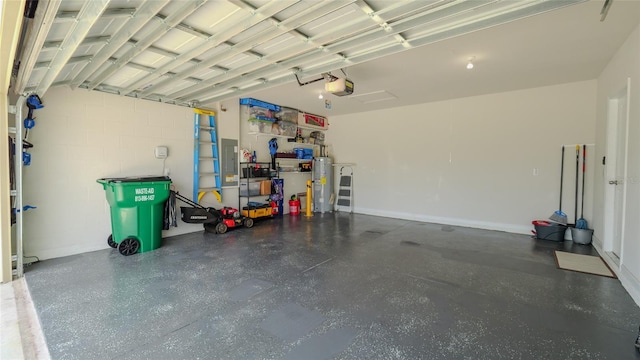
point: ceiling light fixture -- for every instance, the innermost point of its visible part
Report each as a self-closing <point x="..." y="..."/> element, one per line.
<point x="320" y="96"/>
<point x="470" y="63"/>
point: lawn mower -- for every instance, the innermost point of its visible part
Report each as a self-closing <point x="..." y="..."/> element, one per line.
<point x="230" y="218"/>
<point x="213" y="220"/>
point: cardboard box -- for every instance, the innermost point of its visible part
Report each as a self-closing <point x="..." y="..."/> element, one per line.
<point x="265" y="187"/>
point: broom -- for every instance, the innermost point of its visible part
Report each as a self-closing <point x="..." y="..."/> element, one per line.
<point x="582" y="222"/>
<point x="558" y="216"/>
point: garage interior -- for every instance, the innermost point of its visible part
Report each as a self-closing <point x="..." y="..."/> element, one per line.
<point x="451" y="166"/>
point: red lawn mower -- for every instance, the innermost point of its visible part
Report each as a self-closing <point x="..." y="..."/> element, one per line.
<point x="213" y="220"/>
<point x="230" y="218"/>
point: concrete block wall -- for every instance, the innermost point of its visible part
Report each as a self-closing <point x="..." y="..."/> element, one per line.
<point x="81" y="136"/>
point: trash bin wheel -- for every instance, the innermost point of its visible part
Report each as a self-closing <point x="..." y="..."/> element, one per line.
<point x="112" y="243"/>
<point x="129" y="246"/>
<point x="221" y="228"/>
<point x="248" y="222"/>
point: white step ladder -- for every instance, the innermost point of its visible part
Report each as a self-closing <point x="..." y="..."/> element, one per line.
<point x="206" y="165"/>
<point x="344" y="201"/>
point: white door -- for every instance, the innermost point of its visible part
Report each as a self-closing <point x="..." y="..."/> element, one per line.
<point x="618" y="180"/>
<point x="616" y="174"/>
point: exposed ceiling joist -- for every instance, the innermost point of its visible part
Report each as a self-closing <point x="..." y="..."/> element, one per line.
<point x="73" y="60"/>
<point x="36" y="36"/>
<point x="197" y="51"/>
<point x="279" y="28"/>
<point x="69" y="16"/>
<point x="49" y="45"/>
<point x="137" y="20"/>
<point x="365" y="37"/>
<point x="160" y="28"/>
<point x="283" y="58"/>
<point x="89" y="14"/>
<point x="216" y="92"/>
<point x="227" y="31"/>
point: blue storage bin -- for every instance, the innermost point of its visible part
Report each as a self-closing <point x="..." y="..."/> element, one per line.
<point x="262" y="104"/>
<point x="307" y="154"/>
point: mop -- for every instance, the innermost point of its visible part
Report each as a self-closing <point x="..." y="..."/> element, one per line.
<point x="582" y="222"/>
<point x="558" y="216"/>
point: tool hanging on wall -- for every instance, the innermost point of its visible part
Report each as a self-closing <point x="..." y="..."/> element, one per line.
<point x="26" y="156"/>
<point x="33" y="103"/>
<point x="273" y="148"/>
<point x="15" y="211"/>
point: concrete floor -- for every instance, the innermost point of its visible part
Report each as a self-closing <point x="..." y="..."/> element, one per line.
<point x="20" y="332"/>
<point x="337" y="286"/>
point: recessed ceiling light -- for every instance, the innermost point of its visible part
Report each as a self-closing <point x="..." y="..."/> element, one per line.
<point x="320" y="96"/>
<point x="470" y="63"/>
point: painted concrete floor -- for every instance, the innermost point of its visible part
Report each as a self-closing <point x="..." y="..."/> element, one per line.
<point x="337" y="286"/>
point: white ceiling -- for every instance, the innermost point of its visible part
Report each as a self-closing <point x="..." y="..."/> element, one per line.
<point x="197" y="52"/>
<point x="566" y="45"/>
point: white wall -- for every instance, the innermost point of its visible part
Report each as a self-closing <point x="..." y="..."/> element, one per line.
<point x="470" y="161"/>
<point x="625" y="64"/>
<point x="81" y="136"/>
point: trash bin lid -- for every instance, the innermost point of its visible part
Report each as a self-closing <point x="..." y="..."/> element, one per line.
<point x="137" y="179"/>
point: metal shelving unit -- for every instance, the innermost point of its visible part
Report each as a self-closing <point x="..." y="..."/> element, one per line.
<point x="249" y="176"/>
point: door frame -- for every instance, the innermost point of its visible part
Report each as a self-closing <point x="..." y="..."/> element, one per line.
<point x="610" y="172"/>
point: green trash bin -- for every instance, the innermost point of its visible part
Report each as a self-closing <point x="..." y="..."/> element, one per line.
<point x="137" y="208"/>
